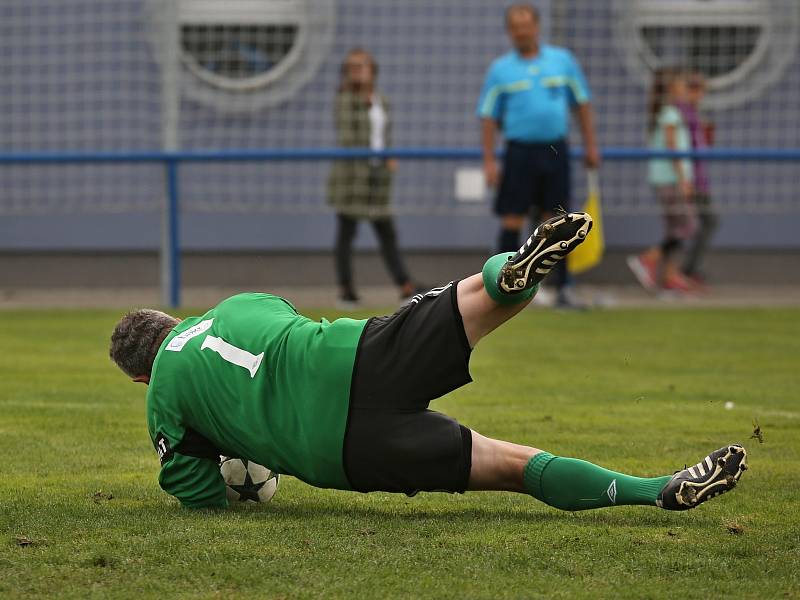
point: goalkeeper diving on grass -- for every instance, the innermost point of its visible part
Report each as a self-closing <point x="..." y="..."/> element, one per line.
<point x="344" y="404"/>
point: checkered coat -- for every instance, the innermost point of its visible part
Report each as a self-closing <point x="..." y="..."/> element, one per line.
<point x="359" y="188"/>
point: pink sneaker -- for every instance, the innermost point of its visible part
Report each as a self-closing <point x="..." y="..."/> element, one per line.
<point x="698" y="284"/>
<point x="644" y="270"/>
<point x="679" y="283"/>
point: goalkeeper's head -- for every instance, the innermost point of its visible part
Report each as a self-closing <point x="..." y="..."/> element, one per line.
<point x="136" y="339"/>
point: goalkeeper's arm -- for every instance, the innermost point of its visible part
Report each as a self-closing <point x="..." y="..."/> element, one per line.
<point x="196" y="482"/>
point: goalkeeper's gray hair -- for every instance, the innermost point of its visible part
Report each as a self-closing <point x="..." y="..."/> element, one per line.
<point x="136" y="338"/>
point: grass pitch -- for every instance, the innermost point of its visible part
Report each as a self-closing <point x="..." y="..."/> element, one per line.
<point x="81" y="514"/>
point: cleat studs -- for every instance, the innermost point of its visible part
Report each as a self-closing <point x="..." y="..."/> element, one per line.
<point x="581" y="234"/>
<point x="733" y="449"/>
<point x="721" y="462"/>
<point x="743" y="467"/>
<point x="563" y="245"/>
<point x="688" y="495"/>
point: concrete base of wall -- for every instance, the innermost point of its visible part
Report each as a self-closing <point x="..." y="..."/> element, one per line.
<point x="263" y="271"/>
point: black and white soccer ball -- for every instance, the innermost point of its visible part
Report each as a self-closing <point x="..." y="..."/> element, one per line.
<point x="246" y="481"/>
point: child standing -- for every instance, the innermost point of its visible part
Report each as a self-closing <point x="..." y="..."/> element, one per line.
<point x="672" y="181"/>
<point x="701" y="134"/>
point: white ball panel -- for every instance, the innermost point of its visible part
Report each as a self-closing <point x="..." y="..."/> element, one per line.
<point x="258" y="473"/>
<point x="231" y="494"/>
<point x="233" y="471"/>
<point x="266" y="493"/>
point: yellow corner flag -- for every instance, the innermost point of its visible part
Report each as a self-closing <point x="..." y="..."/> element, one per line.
<point x="590" y="252"/>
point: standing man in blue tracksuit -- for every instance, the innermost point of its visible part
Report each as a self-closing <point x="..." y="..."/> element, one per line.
<point x="528" y="95"/>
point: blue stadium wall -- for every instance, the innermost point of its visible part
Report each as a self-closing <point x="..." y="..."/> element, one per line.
<point x="446" y="117"/>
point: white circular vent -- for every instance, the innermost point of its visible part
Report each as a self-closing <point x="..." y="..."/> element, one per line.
<point x="241" y="55"/>
<point x="741" y="46"/>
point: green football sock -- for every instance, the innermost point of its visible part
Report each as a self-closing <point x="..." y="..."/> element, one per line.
<point x="490" y="272"/>
<point x="573" y="484"/>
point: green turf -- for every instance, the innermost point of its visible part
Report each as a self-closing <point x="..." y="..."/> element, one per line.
<point x="638" y="391"/>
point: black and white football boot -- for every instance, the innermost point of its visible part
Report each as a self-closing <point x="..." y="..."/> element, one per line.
<point x="714" y="475"/>
<point x="551" y="242"/>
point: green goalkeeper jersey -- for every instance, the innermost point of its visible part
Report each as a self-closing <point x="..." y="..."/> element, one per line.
<point x="251" y="378"/>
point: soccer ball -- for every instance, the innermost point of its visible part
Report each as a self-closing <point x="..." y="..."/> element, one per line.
<point x="246" y="481"/>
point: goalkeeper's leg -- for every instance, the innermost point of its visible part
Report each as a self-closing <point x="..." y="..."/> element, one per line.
<point x="573" y="484"/>
<point x="508" y="281"/>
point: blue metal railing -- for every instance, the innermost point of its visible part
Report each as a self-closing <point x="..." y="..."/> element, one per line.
<point x="419" y="153"/>
<point x="172" y="160"/>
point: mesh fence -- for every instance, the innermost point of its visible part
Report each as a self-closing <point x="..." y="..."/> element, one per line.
<point x="142" y="75"/>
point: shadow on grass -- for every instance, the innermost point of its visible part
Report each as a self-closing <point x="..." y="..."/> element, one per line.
<point x="452" y="516"/>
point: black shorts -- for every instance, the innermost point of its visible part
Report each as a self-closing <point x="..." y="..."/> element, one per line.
<point x="394" y="443"/>
<point x="534" y="176"/>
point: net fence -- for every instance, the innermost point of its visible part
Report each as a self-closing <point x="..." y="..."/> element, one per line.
<point x="148" y="75"/>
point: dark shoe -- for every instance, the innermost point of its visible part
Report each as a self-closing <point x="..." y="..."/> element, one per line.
<point x="348" y="301"/>
<point x="714" y="475"/>
<point x="417" y="290"/>
<point x="551" y="242"/>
